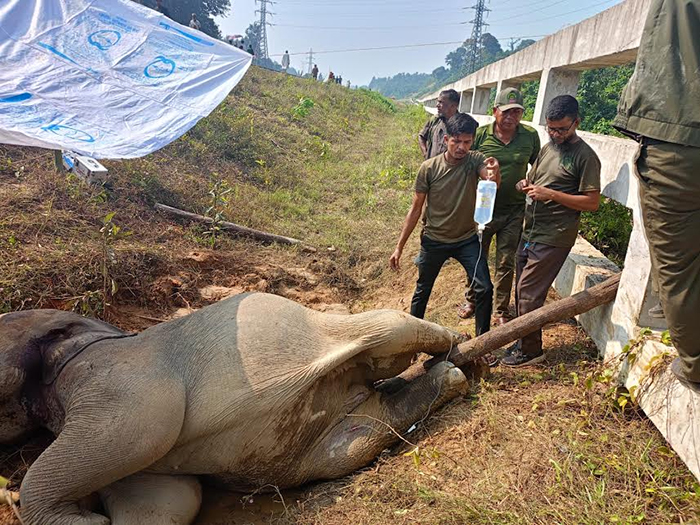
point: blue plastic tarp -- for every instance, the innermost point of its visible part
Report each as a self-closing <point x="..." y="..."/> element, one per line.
<point x="106" y="78"/>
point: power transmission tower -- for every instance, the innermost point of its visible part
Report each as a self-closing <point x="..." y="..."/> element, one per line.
<point x="262" y="36"/>
<point x="474" y="50"/>
<point x="311" y="60"/>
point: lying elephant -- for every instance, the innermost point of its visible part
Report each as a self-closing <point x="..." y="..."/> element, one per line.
<point x="252" y="391"/>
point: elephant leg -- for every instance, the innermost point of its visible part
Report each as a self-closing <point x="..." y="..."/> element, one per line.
<point x="115" y="426"/>
<point x="154" y="499"/>
<point x="373" y="425"/>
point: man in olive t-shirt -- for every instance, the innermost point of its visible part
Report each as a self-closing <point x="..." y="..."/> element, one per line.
<point x="564" y="181"/>
<point x="515" y="145"/>
<point x="446" y="185"/>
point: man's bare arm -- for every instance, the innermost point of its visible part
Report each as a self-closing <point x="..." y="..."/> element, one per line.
<point x="409" y="225"/>
<point x="587" y="201"/>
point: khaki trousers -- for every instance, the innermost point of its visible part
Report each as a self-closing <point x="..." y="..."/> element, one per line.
<point x="670" y="193"/>
<point x="507" y="228"/>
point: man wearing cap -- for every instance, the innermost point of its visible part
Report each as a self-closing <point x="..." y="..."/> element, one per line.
<point x="660" y="109"/>
<point x="432" y="137"/>
<point x="514" y="145"/>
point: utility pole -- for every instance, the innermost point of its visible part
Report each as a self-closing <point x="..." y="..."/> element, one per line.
<point x="262" y="37"/>
<point x="478" y="25"/>
<point x="311" y="60"/>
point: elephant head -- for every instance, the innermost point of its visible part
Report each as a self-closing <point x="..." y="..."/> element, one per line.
<point x="34" y="347"/>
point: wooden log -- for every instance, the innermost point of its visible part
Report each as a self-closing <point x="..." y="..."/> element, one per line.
<point x="234" y="228"/>
<point x="491" y="341"/>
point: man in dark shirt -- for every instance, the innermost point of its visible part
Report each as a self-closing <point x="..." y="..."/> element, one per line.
<point x="660" y="108"/>
<point x="432" y="136"/>
<point x="446" y="188"/>
<point x="563" y="182"/>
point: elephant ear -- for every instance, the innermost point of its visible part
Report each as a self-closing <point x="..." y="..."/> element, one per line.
<point x="61" y="344"/>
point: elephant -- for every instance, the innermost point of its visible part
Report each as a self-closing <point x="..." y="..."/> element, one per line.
<point x="251" y="392"/>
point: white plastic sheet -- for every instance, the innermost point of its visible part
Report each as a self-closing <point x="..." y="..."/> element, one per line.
<point x="106" y="78"/>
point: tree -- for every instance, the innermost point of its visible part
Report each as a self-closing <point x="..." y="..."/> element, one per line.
<point x="491" y="49"/>
<point x="252" y="37"/>
<point x="205" y="10"/>
<point x="456" y="60"/>
<point x="440" y="73"/>
<point x="523" y="44"/>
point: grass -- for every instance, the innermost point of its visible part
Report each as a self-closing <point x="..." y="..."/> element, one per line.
<point x="540" y="445"/>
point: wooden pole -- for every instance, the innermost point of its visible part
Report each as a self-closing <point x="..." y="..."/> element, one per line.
<point x="234" y="228"/>
<point x="491" y="341"/>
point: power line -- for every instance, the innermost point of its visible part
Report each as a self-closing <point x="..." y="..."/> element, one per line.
<point x="363" y="28"/>
<point x="529" y="12"/>
<point x="556" y="16"/>
<point x="406" y="46"/>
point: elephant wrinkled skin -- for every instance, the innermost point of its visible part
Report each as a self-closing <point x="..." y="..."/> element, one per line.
<point x="252" y="391"/>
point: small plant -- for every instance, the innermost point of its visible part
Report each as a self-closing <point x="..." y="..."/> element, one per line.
<point x="302" y="109"/>
<point x="219" y="198"/>
<point x="90" y="301"/>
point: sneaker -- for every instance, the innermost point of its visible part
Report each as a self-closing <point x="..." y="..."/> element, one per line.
<point x="677" y="369"/>
<point x="656" y="312"/>
<point x="516" y="358"/>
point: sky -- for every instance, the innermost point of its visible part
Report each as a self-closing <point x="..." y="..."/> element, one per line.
<point x="331" y="26"/>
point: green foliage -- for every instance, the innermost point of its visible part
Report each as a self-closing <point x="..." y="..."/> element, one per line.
<point x="378" y="99"/>
<point x="529" y="91"/>
<point x="599" y="93"/>
<point x="608" y="229"/>
<point x="302" y="109"/>
<point x="181" y="11"/>
<point x="219" y="191"/>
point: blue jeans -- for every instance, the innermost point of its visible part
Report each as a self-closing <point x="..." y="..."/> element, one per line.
<point x="433" y="255"/>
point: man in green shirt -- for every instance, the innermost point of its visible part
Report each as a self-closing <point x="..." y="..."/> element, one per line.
<point x="432" y="137"/>
<point x="446" y="185"/>
<point x="563" y="182"/>
<point x="660" y="108"/>
<point x="514" y="145"/>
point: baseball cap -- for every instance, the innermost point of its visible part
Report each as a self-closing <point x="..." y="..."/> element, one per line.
<point x="509" y="98"/>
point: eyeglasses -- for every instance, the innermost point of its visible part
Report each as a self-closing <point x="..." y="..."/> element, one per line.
<point x="559" y="131"/>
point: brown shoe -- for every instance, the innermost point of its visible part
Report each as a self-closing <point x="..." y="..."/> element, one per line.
<point x="466" y="310"/>
<point x="500" y="321"/>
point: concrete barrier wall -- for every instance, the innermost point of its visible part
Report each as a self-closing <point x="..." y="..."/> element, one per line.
<point x="609" y="38"/>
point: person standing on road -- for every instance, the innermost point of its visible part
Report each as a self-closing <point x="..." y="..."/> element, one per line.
<point x="432" y="137"/>
<point x="446" y="186"/>
<point x="660" y="108"/>
<point x="563" y="182"/>
<point x="514" y="145"/>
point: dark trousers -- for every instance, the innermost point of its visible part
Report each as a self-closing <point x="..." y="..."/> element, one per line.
<point x="506" y="228"/>
<point x="433" y="255"/>
<point x="670" y="197"/>
<point x="537" y="265"/>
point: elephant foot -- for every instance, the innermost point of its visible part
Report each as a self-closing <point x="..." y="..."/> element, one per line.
<point x="454" y="382"/>
<point x="156" y="499"/>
